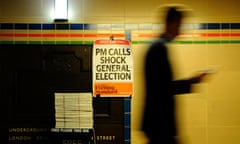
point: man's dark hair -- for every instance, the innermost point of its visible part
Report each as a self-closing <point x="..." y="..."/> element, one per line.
<point x="173" y="14"/>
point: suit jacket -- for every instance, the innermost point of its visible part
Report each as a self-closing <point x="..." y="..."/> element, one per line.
<point x="159" y="111"/>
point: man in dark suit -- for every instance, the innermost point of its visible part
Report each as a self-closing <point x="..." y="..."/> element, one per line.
<point x="159" y="122"/>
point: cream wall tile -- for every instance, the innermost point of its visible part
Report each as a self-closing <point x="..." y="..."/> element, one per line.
<point x="23" y="8"/>
<point x="140" y="8"/>
<point x="103" y="8"/>
<point x="223" y="112"/>
<point x="225" y="8"/>
<point x="187" y="59"/>
<point x="193" y="135"/>
<point x="138" y="137"/>
<point x="99" y="20"/>
<point x="223" y="135"/>
<point x="137" y="101"/>
<point x="76" y="9"/>
<point x="26" y="10"/>
<point x="138" y="19"/>
<point x="224" y="56"/>
<point x="191" y="111"/>
<point x="224" y="85"/>
<point x="138" y="52"/>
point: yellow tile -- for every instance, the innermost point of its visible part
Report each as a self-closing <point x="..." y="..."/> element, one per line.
<point x="223" y="135"/>
<point x="223" y="112"/>
<point x="224" y="85"/>
<point x="191" y="111"/>
<point x="193" y="135"/>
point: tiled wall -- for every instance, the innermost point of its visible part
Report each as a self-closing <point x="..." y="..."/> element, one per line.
<point x="205" y="38"/>
<point x="77" y="33"/>
<point x="210" y="39"/>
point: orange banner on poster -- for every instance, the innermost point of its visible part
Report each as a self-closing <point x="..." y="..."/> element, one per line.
<point x="113" y="89"/>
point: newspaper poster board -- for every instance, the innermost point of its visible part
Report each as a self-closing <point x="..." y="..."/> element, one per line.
<point x="112" y="68"/>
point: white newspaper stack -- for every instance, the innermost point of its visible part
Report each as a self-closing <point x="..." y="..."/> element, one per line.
<point x="73" y="110"/>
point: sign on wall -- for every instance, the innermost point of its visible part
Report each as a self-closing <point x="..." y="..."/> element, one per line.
<point x="112" y="68"/>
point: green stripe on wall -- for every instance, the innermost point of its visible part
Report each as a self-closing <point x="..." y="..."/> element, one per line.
<point x="20" y="42"/>
<point x="34" y="42"/>
<point x="62" y="42"/>
<point x="76" y="42"/>
<point x="47" y="42"/>
<point x="183" y="42"/>
<point x="6" y="42"/>
<point x="199" y="42"/>
<point x="234" y="41"/>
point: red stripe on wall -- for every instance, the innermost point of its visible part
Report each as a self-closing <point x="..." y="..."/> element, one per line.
<point x="35" y="35"/>
<point x="6" y="35"/>
<point x="220" y="34"/>
<point x="48" y="35"/>
<point x="20" y="35"/>
<point x="76" y="35"/>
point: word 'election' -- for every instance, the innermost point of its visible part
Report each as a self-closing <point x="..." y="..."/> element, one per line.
<point x="113" y="64"/>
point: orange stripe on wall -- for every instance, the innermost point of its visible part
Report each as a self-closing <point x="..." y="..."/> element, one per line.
<point x="35" y="35"/>
<point x="60" y="35"/>
<point x="48" y="35"/>
<point x="20" y="35"/>
<point x="76" y="35"/>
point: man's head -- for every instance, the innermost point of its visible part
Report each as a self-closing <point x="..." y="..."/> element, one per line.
<point x="173" y="22"/>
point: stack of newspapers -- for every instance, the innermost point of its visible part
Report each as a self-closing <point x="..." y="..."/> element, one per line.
<point x="73" y="110"/>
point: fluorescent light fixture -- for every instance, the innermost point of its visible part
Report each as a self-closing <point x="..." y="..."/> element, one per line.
<point x="61" y="10"/>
